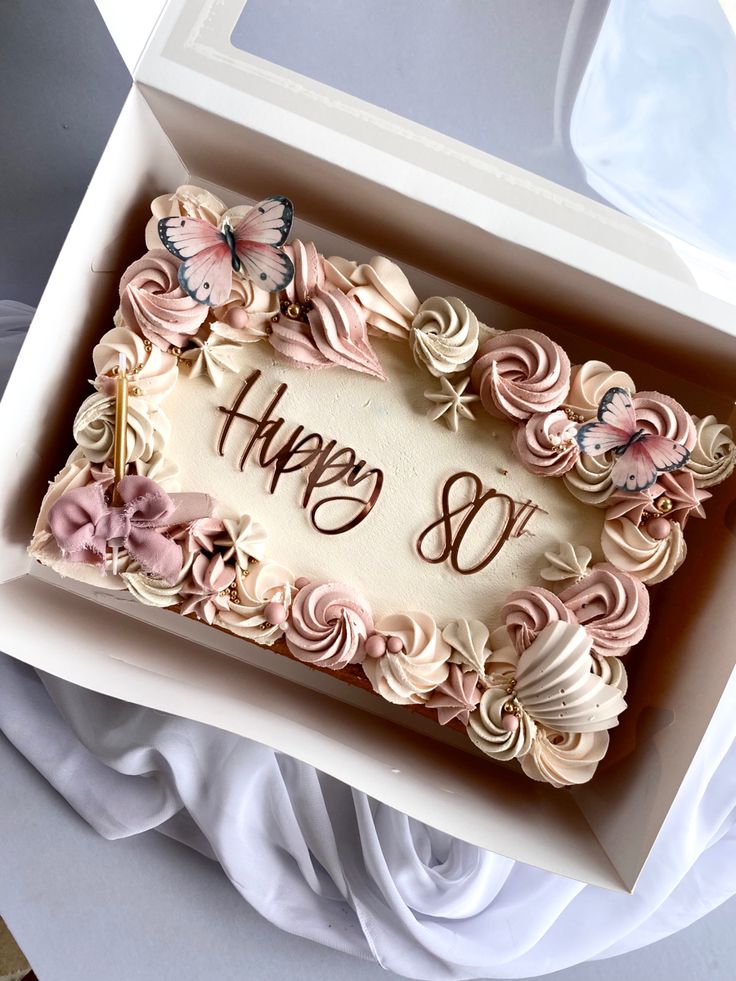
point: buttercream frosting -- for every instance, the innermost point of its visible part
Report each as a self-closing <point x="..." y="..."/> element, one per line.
<point x="564" y="758"/>
<point x="684" y="499"/>
<point x="382" y="290"/>
<point x="258" y="585"/>
<point x="546" y="443"/>
<point x="409" y="675"/>
<point x="246" y="315"/>
<point x="152" y="302"/>
<point x="188" y="201"/>
<point x="204" y="591"/>
<point x="335" y="334"/>
<point x="152" y="372"/>
<point x="155" y="592"/>
<point x="242" y="539"/>
<point x="521" y="372"/>
<point x="612" y="606"/>
<point x="663" y="416"/>
<point x="468" y="640"/>
<point x="589" y="382"/>
<point x="567" y="561"/>
<point x="444" y="335"/>
<point x="456" y="697"/>
<point x="212" y="357"/>
<point x="451" y="402"/>
<point x="528" y="611"/>
<point x="94" y="428"/>
<point x="713" y="456"/>
<point x="328" y="625"/>
<point x="589" y="479"/>
<point x="631" y="549"/>
<point x="487" y="731"/>
<point x="309" y="274"/>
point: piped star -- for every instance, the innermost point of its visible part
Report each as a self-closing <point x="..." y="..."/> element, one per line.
<point x="451" y="403"/>
<point x="212" y="357"/>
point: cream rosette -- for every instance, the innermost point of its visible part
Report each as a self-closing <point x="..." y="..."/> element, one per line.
<point x="564" y="758"/>
<point x="246" y="315"/>
<point x="151" y="371"/>
<point x="486" y="727"/>
<point x="521" y="372"/>
<point x="410" y="675"/>
<point x="546" y="443"/>
<point x="528" y="611"/>
<point x="156" y="592"/>
<point x="613" y="607"/>
<point x="187" y="201"/>
<point x="382" y="290"/>
<point x="164" y="472"/>
<point x="631" y="549"/>
<point x="611" y="670"/>
<point x="444" y="335"/>
<point x="589" y="382"/>
<point x="713" y="456"/>
<point x="663" y="416"/>
<point x="589" y="479"/>
<point x="147" y="433"/>
<point x="328" y="625"/>
<point x="152" y="302"/>
<point x="262" y="583"/>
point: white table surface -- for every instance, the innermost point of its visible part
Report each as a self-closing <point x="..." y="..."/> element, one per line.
<point x="147" y="908"/>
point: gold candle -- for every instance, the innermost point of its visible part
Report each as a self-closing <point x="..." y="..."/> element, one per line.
<point x="120" y="441"/>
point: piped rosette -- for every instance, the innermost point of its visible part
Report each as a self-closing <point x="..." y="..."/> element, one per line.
<point x="546" y="703"/>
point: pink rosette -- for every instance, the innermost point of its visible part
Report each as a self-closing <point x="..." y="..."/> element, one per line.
<point x="612" y="606"/>
<point x="328" y="625"/>
<point x="456" y="697"/>
<point x="663" y="416"/>
<point x="528" y="611"/>
<point x="546" y="443"/>
<point x="153" y="303"/>
<point x="309" y="273"/>
<point x="334" y="333"/>
<point x="520" y="372"/>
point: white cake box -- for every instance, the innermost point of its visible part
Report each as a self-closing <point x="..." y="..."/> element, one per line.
<point x="201" y="111"/>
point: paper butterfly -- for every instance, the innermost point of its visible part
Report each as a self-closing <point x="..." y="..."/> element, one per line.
<point x="641" y="455"/>
<point x="247" y="242"/>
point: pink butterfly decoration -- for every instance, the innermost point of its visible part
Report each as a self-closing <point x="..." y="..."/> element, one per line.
<point x="640" y="455"/>
<point x="248" y="242"/>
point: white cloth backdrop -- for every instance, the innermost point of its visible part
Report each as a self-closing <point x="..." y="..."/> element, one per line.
<point x="320" y="859"/>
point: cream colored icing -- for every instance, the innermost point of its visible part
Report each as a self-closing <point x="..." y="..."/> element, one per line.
<point x="567" y="561"/>
<point x="564" y="758"/>
<point x="611" y="670"/>
<point x="468" y="640"/>
<point x="485" y="728"/>
<point x="589" y="480"/>
<point x="94" y="428"/>
<point x="630" y="548"/>
<point x="262" y="583"/>
<point x="663" y="416"/>
<point x="589" y="382"/>
<point x="187" y="201"/>
<point x="556" y="686"/>
<point x="246" y="315"/>
<point x="382" y="290"/>
<point x="158" y="468"/>
<point x="156" y="592"/>
<point x="212" y="358"/>
<point x="409" y="676"/>
<point x="713" y="456"/>
<point x="444" y="335"/>
<point x="242" y="538"/>
<point x="452" y="402"/>
<point x="153" y="372"/>
<point x="385" y="424"/>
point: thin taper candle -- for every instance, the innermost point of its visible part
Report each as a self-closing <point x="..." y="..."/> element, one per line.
<point x="120" y="442"/>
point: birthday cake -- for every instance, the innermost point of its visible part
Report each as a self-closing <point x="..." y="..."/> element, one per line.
<point x="301" y="451"/>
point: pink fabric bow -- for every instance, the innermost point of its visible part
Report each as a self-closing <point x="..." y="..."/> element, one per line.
<point x="83" y="524"/>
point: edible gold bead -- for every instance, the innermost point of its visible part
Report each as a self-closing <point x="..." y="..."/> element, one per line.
<point x="663" y="504"/>
<point x="293" y="310"/>
<point x="136" y="391"/>
<point x="176" y="351"/>
<point x="115" y="370"/>
<point x="508" y="707"/>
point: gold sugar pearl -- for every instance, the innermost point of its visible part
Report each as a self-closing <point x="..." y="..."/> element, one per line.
<point x="176" y="351"/>
<point x="115" y="370"/>
<point x="293" y="310"/>
<point x="663" y="504"/>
